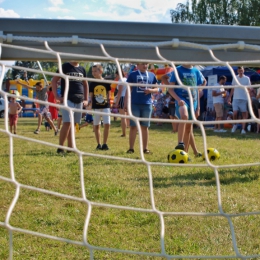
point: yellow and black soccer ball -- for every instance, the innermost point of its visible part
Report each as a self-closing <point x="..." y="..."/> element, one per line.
<point x="213" y="154"/>
<point x="178" y="156"/>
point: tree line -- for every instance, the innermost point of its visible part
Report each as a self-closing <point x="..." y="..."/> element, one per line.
<point x="223" y="12"/>
<point x="109" y="69"/>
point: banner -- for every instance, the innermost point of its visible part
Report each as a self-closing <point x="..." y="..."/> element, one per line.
<point x="212" y="81"/>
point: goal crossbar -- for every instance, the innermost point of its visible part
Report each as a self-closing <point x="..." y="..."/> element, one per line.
<point x="68" y="36"/>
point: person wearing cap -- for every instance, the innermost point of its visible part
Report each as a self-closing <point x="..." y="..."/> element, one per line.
<point x="240" y="101"/>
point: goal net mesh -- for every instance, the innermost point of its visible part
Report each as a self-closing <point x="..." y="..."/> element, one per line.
<point x="164" y="223"/>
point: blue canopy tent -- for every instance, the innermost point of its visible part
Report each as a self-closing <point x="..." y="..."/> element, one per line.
<point x="222" y="70"/>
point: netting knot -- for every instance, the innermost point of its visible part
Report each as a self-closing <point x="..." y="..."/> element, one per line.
<point x="9" y="37"/>
<point x="74" y="39"/>
<point x="175" y="42"/>
<point x="241" y="45"/>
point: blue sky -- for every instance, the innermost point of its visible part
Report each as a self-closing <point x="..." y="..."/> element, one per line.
<point x="157" y="11"/>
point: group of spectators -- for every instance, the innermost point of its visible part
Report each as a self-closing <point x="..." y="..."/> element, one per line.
<point x="228" y="103"/>
<point x="146" y="100"/>
<point x="234" y="102"/>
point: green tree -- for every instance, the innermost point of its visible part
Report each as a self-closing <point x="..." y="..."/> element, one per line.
<point x="225" y="12"/>
<point x="18" y="73"/>
<point x="46" y="66"/>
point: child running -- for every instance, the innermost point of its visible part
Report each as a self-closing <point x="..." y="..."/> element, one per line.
<point x="41" y="94"/>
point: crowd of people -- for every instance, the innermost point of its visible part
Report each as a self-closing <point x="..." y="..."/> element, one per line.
<point x="147" y="100"/>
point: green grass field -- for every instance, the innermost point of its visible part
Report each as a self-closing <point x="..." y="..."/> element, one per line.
<point x="51" y="200"/>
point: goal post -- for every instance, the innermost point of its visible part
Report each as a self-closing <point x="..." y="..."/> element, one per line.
<point x="161" y="227"/>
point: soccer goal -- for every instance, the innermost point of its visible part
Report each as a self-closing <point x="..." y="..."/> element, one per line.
<point x="90" y="204"/>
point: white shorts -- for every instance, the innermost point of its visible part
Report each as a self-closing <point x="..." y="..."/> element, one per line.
<point x="106" y="117"/>
<point x="44" y="111"/>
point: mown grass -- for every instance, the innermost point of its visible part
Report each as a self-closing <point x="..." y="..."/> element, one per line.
<point x="126" y="184"/>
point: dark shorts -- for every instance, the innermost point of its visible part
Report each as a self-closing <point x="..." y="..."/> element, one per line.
<point x="88" y="118"/>
<point x="172" y="110"/>
<point x="121" y="103"/>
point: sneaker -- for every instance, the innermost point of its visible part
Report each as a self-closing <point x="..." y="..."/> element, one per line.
<point x="249" y="128"/>
<point x="104" y="147"/>
<point x="234" y="128"/>
<point x="222" y="131"/>
<point x="216" y="131"/>
<point x="243" y="132"/>
<point x="36" y="131"/>
<point x="130" y="151"/>
<point x="180" y="147"/>
<point x="60" y="151"/>
<point x="99" y="147"/>
<point x="198" y="155"/>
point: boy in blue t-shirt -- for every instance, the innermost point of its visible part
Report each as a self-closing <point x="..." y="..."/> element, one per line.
<point x="189" y="76"/>
<point x="141" y="103"/>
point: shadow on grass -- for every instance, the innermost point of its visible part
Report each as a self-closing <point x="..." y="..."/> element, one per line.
<point x="237" y="135"/>
<point x="226" y="177"/>
<point x="33" y="153"/>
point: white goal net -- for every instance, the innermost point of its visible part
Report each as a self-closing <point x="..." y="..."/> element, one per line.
<point x="111" y="205"/>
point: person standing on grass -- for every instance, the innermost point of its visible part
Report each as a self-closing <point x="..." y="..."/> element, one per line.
<point x="77" y="97"/>
<point x="99" y="92"/>
<point x="189" y="76"/>
<point x="240" y="101"/>
<point x="14" y="108"/>
<point x="202" y="82"/>
<point x="41" y="94"/>
<point x="141" y="103"/>
<point x="219" y="95"/>
<point x="120" y="100"/>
